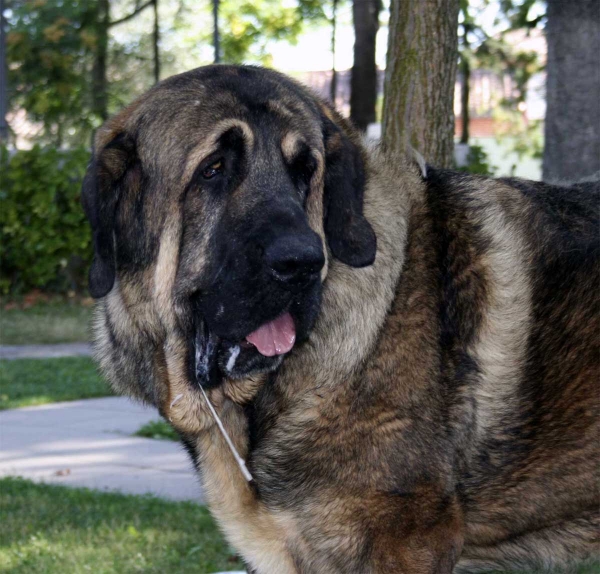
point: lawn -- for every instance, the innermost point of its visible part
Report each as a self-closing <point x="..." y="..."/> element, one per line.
<point x="51" y="322"/>
<point x="158" y="429"/>
<point x="54" y="529"/>
<point x="27" y="382"/>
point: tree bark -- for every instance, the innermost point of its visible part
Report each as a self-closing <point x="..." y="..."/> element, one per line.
<point x="420" y="75"/>
<point x="3" y="80"/>
<point x="572" y="128"/>
<point x="465" y="68"/>
<point x="155" y="39"/>
<point x="333" y="85"/>
<point x="216" y="40"/>
<point x="363" y="83"/>
<point x="464" y="100"/>
<point x="99" y="81"/>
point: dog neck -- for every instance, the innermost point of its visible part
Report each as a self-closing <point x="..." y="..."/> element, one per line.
<point x="356" y="301"/>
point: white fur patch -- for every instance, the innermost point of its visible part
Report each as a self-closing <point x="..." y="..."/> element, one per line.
<point x="421" y="162"/>
<point x="176" y="400"/>
<point x="235" y="351"/>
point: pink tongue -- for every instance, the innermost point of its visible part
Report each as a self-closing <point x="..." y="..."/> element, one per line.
<point x="274" y="338"/>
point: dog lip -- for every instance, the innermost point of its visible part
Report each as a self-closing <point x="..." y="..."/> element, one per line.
<point x="206" y="348"/>
<point x="215" y="355"/>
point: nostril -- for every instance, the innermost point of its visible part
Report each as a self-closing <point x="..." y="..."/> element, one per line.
<point x="295" y="268"/>
<point x="295" y="259"/>
<point x="285" y="267"/>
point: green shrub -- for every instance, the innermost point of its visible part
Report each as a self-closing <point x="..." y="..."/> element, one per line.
<point x="478" y="162"/>
<point x="45" y="240"/>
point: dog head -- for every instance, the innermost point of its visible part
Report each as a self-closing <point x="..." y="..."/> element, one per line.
<point x="215" y="202"/>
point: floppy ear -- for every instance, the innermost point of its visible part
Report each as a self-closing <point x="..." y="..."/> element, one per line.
<point x="102" y="187"/>
<point x="350" y="236"/>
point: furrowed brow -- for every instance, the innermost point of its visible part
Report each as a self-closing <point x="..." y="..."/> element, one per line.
<point x="210" y="145"/>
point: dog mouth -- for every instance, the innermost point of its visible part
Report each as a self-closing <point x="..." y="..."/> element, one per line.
<point x="276" y="337"/>
<point x="260" y="351"/>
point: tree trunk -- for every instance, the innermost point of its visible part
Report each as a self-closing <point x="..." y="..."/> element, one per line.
<point x="99" y="82"/>
<point x="572" y="128"/>
<point x="464" y="100"/>
<point x="155" y="39"/>
<point x="465" y="68"/>
<point x="3" y="80"/>
<point x="419" y="84"/>
<point x="333" y="85"/>
<point x="216" y="41"/>
<point x="363" y="83"/>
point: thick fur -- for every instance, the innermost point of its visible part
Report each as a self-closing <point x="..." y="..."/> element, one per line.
<point x="440" y="410"/>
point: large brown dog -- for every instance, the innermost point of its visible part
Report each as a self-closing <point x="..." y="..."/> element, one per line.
<point x="406" y="358"/>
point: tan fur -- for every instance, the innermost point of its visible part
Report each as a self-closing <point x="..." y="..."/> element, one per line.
<point x="374" y="420"/>
<point x="289" y="144"/>
<point x="502" y="343"/>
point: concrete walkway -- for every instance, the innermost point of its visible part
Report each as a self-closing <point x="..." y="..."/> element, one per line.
<point x="89" y="443"/>
<point x="44" y="351"/>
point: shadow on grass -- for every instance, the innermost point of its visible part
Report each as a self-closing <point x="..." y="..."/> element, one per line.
<point x="158" y="429"/>
<point x="45" y="323"/>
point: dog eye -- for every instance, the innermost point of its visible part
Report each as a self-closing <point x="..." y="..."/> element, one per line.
<point x="212" y="170"/>
<point x="302" y="169"/>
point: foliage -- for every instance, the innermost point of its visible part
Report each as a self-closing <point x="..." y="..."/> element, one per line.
<point x="521" y="66"/>
<point x="495" y="52"/>
<point x="28" y="382"/>
<point x="523" y="13"/>
<point x="52" y="48"/>
<point x="44" y="238"/>
<point x="57" y="49"/>
<point x="248" y="26"/>
<point x="478" y="162"/>
<point x="54" y="529"/>
<point x="49" y="51"/>
<point x="528" y="136"/>
<point x="47" y="323"/>
<point x="158" y="430"/>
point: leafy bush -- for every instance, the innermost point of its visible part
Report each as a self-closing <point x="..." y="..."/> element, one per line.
<point x="478" y="162"/>
<point x="45" y="241"/>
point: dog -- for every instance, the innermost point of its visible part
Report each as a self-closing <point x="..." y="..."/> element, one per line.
<point x="405" y="357"/>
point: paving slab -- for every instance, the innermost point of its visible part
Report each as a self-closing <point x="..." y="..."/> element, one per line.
<point x="89" y="443"/>
<point x="10" y="352"/>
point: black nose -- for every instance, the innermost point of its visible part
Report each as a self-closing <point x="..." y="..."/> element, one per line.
<point x="295" y="259"/>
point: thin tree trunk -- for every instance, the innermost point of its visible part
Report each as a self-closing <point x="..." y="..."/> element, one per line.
<point x="572" y="127"/>
<point x="3" y="80"/>
<point x="420" y="76"/>
<point x="216" y="40"/>
<point x="333" y="85"/>
<point x="99" y="82"/>
<point x="363" y="83"/>
<point x="155" y="39"/>
<point x="464" y="101"/>
<point x="465" y="67"/>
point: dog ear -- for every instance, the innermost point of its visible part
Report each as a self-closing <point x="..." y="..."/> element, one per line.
<point x="102" y="186"/>
<point x="350" y="236"/>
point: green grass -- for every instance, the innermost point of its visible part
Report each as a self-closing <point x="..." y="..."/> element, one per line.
<point x="157" y="429"/>
<point x="27" y="382"/>
<point x="45" y="323"/>
<point x="54" y="529"/>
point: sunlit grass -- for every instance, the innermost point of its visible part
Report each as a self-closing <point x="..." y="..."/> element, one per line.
<point x="55" y="529"/>
<point x="28" y="382"/>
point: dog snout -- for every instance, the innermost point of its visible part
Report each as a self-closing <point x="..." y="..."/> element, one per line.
<point x="295" y="258"/>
